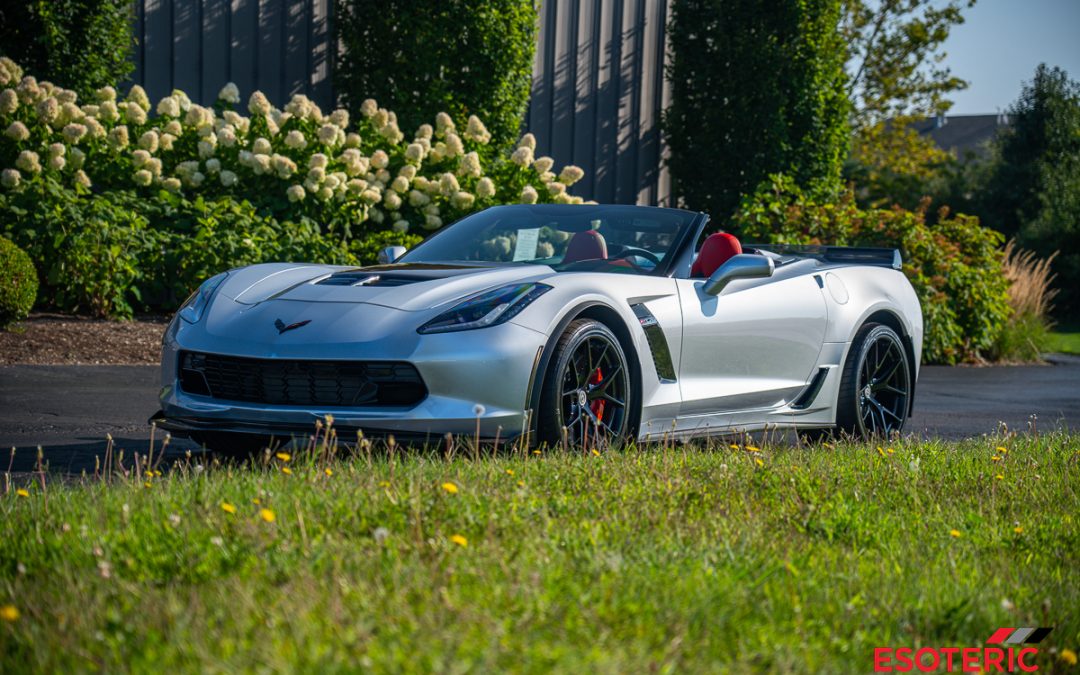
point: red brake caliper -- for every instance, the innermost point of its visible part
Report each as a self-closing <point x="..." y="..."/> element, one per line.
<point x="597" y="406"/>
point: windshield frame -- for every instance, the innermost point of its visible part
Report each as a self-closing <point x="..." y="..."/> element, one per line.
<point x="667" y="267"/>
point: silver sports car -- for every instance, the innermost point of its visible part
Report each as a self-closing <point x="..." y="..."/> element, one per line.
<point x="564" y="323"/>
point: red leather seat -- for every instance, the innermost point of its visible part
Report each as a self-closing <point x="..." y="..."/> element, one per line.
<point x="586" y="245"/>
<point x="715" y="251"/>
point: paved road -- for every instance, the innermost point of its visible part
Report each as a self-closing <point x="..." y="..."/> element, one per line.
<point x="68" y="410"/>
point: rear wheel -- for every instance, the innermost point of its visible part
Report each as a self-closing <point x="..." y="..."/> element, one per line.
<point x="588" y="389"/>
<point x="875" y="391"/>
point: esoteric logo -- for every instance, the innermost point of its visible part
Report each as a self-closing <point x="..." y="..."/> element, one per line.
<point x="1004" y="659"/>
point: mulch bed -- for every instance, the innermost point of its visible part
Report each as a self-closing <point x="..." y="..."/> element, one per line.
<point x="57" y="339"/>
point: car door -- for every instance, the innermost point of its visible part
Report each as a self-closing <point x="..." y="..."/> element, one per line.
<point x="753" y="346"/>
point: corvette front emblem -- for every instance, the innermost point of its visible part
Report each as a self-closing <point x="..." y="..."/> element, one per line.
<point x="281" y="327"/>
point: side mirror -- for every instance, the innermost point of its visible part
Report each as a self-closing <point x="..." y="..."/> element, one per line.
<point x="390" y="254"/>
<point x="742" y="266"/>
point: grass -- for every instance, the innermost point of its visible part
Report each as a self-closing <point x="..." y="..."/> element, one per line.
<point x="666" y="558"/>
<point x="1064" y="341"/>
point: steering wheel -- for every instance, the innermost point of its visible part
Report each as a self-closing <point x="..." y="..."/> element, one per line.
<point x="629" y="251"/>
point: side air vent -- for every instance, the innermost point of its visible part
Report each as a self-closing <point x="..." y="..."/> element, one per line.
<point x="806" y="398"/>
<point x="665" y="369"/>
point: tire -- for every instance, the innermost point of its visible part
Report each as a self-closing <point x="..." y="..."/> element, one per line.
<point x="588" y="366"/>
<point x="229" y="444"/>
<point x="875" y="390"/>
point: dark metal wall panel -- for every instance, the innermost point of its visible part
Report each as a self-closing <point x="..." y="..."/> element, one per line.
<point x="598" y="78"/>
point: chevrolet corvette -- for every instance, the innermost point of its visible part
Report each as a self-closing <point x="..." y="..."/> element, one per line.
<point x="554" y="323"/>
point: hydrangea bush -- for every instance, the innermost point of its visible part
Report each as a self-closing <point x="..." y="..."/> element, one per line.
<point x="359" y="182"/>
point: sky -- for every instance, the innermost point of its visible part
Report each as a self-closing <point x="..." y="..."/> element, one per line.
<point x="1000" y="44"/>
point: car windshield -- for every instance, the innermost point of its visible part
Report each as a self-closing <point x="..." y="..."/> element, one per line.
<point x="626" y="239"/>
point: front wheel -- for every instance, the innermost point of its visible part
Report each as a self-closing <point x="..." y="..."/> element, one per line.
<point x="587" y="391"/>
<point x="875" y="392"/>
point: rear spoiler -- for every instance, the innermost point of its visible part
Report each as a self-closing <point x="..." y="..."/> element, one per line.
<point x="850" y="255"/>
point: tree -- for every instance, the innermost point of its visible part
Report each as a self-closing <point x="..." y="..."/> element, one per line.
<point x="758" y="87"/>
<point x="1034" y="187"/>
<point x="423" y="57"/>
<point x="895" y="55"/>
<point x="76" y="44"/>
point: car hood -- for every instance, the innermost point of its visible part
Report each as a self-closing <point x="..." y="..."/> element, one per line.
<point x="407" y="286"/>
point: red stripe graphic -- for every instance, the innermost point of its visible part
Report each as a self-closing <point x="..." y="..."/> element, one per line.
<point x="1000" y="635"/>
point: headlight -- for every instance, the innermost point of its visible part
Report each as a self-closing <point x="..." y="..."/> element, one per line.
<point x="192" y="309"/>
<point x="489" y="308"/>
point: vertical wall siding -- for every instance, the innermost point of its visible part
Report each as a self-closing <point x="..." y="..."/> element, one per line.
<point x="278" y="46"/>
<point x="598" y="77"/>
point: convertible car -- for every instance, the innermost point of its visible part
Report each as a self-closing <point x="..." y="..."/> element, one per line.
<point x="556" y="323"/>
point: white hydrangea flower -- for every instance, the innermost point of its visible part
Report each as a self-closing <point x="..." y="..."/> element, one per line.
<point x="182" y="99"/>
<point x="28" y="89"/>
<point x="299" y="106"/>
<point x="295" y="140"/>
<point x="352" y="140"/>
<point x="400" y="184"/>
<point x="198" y="116"/>
<point x="48" y="109"/>
<point x="226" y="135"/>
<point x="171" y="184"/>
<point x="318" y="160"/>
<point x="9" y="70"/>
<point x="260" y="164"/>
<point x="448" y="184"/>
<point x="414" y="153"/>
<point x="431" y="209"/>
<point x="197" y="178"/>
<point x="207" y="131"/>
<point x="463" y="200"/>
<point x="400" y="226"/>
<point x="370" y="196"/>
<point x="432" y="222"/>
<point x="228" y="179"/>
<point x="10" y="178"/>
<point x="443" y="124"/>
<point x="437" y="153"/>
<point x="391" y="200"/>
<point x="296" y="193"/>
<point x="105" y="94"/>
<point x="90" y="110"/>
<point x="528" y="141"/>
<point x="138" y="96"/>
<point x="425" y="131"/>
<point x="17" y="132"/>
<point x="66" y="96"/>
<point x="547" y="177"/>
<point x="174" y="127"/>
<point x="571" y="174"/>
<point x="73" y="132"/>
<point x="391" y="133"/>
<point x="261" y="146"/>
<point x="57" y="162"/>
<point x="206" y="149"/>
<point x="69" y="112"/>
<point x="316" y="174"/>
<point x="230" y="93"/>
<point x="470" y="165"/>
<point x="186" y="168"/>
<point x="522" y="156"/>
<point x="331" y="181"/>
<point x="376" y="216"/>
<point x="149" y="141"/>
<point x="135" y="115"/>
<point x="325" y="194"/>
<point x="380" y="119"/>
<point x="94" y="129"/>
<point x="166" y="141"/>
<point x="356" y="186"/>
<point x="82" y="179"/>
<point x="9" y="101"/>
<point x="118" y="137"/>
<point x="168" y="107"/>
<point x="258" y="104"/>
<point x="418" y="199"/>
<point x="476" y="131"/>
<point x="369" y="107"/>
<point x="143" y="177"/>
<point x="408" y="172"/>
<point x="283" y="166"/>
<point x="76" y="158"/>
<point x="529" y="195"/>
<point x="382" y="176"/>
<point x="379" y="159"/>
<point x="153" y="166"/>
<point x="340" y="118"/>
<point x="454" y="146"/>
<point x="563" y="198"/>
<point x="485" y="188"/>
<point x="213" y="166"/>
<point x="543" y="164"/>
<point x="139" y="158"/>
<point x="556" y="188"/>
<point x="328" y="134"/>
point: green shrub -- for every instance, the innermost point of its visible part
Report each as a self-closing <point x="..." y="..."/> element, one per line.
<point x="757" y="88"/>
<point x="18" y="283"/>
<point x="955" y="265"/>
<point x="78" y="44"/>
<point x="422" y="57"/>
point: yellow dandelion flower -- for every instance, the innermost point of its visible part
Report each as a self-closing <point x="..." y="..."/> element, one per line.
<point x="256" y="501"/>
<point x="22" y="493"/>
<point x="753" y="448"/>
<point x="890" y="451"/>
<point x="1066" y="655"/>
<point x="384" y="483"/>
<point x="881" y="451"/>
<point x="286" y="470"/>
<point x="267" y="515"/>
<point x="536" y="452"/>
<point x="9" y="613"/>
<point x="283" y="456"/>
<point x="1000" y="476"/>
<point x="459" y="540"/>
<point x="954" y="533"/>
<point x="521" y="483"/>
<point x="509" y="472"/>
<point x="733" y="446"/>
<point x="1003" y="450"/>
<point x="1018" y="530"/>
<point x="450" y="487"/>
<point x="759" y="462"/>
<point x="596" y="452"/>
<point x="329" y="471"/>
<point x="995" y="458"/>
<point x="148" y="485"/>
<point x="227" y="507"/>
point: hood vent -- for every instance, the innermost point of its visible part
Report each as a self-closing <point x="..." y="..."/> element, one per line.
<point x="362" y="278"/>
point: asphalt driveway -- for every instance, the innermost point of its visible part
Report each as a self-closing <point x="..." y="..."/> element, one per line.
<point x="69" y="410"/>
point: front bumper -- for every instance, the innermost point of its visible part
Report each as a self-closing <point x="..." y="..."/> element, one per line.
<point x="489" y="371"/>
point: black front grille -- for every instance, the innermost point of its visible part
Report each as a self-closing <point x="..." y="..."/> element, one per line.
<point x="300" y="382"/>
